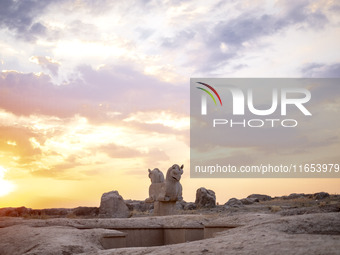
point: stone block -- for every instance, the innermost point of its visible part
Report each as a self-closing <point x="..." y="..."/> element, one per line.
<point x="163" y="208"/>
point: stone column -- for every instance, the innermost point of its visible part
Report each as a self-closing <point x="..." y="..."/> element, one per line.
<point x="163" y="208"/>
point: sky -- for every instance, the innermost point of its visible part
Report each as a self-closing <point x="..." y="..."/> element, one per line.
<point x="94" y="93"/>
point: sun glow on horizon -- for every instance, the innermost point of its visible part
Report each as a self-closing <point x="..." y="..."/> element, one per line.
<point x="6" y="187"/>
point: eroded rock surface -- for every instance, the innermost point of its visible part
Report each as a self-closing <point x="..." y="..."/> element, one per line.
<point x="112" y="205"/>
<point x="205" y="198"/>
<point x="260" y="197"/>
<point x="233" y="202"/>
<point x="255" y="233"/>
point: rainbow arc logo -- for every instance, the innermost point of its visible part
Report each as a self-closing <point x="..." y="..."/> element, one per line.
<point x="204" y="97"/>
<point x="209" y="93"/>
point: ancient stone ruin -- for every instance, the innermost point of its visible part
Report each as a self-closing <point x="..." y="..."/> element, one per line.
<point x="205" y="198"/>
<point x="112" y="205"/>
<point x="165" y="193"/>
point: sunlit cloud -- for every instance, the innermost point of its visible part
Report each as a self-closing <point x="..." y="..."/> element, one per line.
<point x="6" y="186"/>
<point x="68" y="148"/>
<point x="47" y="63"/>
<point x="13" y="143"/>
<point x="164" y="118"/>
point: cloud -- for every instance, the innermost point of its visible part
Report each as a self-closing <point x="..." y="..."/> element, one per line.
<point x="71" y="167"/>
<point x="210" y="44"/>
<point x="61" y="171"/>
<point x="155" y="156"/>
<point x="335" y="8"/>
<point x="116" y="151"/>
<point x="16" y="142"/>
<point x="181" y="38"/>
<point x="165" y="118"/>
<point x="94" y="95"/>
<point x="71" y="148"/>
<point x="26" y="94"/>
<point x="46" y="63"/>
<point x="81" y="30"/>
<point x="318" y="70"/>
<point x="152" y="155"/>
<point x="19" y="17"/>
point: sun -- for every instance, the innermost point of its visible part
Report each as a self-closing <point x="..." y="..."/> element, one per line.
<point x="5" y="186"/>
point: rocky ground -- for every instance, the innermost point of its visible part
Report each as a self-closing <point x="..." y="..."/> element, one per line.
<point x="294" y="224"/>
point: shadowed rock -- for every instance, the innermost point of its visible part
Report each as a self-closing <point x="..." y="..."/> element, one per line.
<point x="141" y="206"/>
<point x="56" y="211"/>
<point x="205" y="198"/>
<point x="295" y="196"/>
<point x="86" y="211"/>
<point x="190" y="206"/>
<point x="233" y="202"/>
<point x="14" y="212"/>
<point x="249" y="201"/>
<point x="112" y="205"/>
<point x="260" y="197"/>
<point x="320" y="195"/>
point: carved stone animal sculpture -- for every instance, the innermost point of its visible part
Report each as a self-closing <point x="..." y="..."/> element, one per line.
<point x="172" y="189"/>
<point x="157" y="179"/>
<point x="168" y="190"/>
